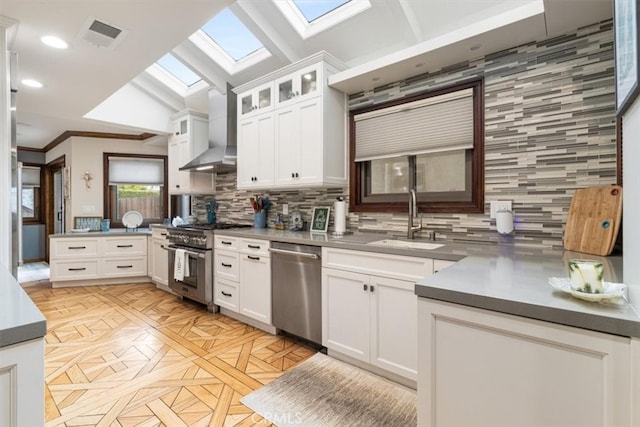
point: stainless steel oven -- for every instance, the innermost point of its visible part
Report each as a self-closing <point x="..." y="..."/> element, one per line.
<point x="196" y="282"/>
<point x="196" y="246"/>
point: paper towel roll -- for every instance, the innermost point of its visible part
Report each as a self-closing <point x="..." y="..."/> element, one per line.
<point x="340" y="216"/>
<point x="504" y="222"/>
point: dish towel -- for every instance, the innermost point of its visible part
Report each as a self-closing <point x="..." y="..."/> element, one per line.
<point x="180" y="265"/>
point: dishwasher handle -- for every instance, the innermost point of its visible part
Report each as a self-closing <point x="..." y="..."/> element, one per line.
<point x="296" y="253"/>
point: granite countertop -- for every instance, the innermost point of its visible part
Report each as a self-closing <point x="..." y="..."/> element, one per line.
<point x="509" y="279"/>
<point x="110" y="233"/>
<point x="513" y="282"/>
<point x="355" y="241"/>
<point x="20" y="319"/>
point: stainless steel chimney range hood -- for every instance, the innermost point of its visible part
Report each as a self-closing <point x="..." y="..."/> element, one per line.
<point x="222" y="155"/>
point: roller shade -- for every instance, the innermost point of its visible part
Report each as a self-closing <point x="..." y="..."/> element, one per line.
<point x="435" y="124"/>
<point x="30" y="176"/>
<point x="124" y="170"/>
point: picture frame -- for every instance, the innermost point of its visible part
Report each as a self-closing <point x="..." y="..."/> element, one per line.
<point x="320" y="220"/>
<point x="626" y="53"/>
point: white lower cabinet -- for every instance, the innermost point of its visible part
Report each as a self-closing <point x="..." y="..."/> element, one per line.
<point x="159" y="258"/>
<point x="483" y="368"/>
<point x="243" y="277"/>
<point x="98" y="260"/>
<point x="372" y="317"/>
<point x="22" y="384"/>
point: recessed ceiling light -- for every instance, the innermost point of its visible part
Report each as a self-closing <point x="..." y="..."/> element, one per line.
<point x="375" y="79"/>
<point x="420" y="64"/>
<point x="54" y="41"/>
<point x="31" y="83"/>
<point x="475" y="47"/>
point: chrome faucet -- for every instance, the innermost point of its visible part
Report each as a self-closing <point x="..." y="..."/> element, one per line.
<point x="413" y="214"/>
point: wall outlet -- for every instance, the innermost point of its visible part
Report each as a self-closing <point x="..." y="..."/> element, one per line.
<point x="504" y="205"/>
<point x="285" y="209"/>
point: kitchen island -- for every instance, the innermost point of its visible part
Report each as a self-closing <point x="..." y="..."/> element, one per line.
<point x="493" y="333"/>
<point x="22" y="331"/>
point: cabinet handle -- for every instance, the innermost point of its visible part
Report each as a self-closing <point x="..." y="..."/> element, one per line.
<point x="76" y="247"/>
<point x="297" y="93"/>
<point x="224" y="242"/>
<point x="226" y="265"/>
<point x="164" y="247"/>
<point x="163" y="234"/>
<point x="124" y="246"/>
<point x="371" y="288"/>
<point x="253" y="246"/>
<point x="124" y="266"/>
<point x="77" y="269"/>
<point x="255" y="258"/>
<point x="365" y="287"/>
<point x="226" y="294"/>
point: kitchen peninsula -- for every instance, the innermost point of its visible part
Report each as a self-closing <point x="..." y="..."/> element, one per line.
<point x="22" y="331"/>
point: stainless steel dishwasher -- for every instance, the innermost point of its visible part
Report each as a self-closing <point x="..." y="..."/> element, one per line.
<point x="296" y="296"/>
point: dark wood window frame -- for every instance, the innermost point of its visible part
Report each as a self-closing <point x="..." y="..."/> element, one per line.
<point x="106" y="192"/>
<point x="395" y="204"/>
<point x="39" y="202"/>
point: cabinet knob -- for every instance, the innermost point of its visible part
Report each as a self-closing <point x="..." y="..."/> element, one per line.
<point x="297" y="93"/>
<point x="365" y="287"/>
<point x="293" y="175"/>
<point x="297" y="175"/>
<point x="371" y="288"/>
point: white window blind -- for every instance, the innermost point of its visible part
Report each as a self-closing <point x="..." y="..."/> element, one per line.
<point x="435" y="124"/>
<point x="126" y="170"/>
<point x="30" y="176"/>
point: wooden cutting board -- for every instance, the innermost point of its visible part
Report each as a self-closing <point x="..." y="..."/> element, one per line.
<point x="593" y="220"/>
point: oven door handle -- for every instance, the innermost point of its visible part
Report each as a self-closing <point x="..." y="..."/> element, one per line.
<point x="198" y="254"/>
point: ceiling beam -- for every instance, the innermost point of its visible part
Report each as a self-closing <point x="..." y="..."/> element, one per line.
<point x="248" y="11"/>
<point x="201" y="64"/>
<point x="403" y="10"/>
<point x="159" y="91"/>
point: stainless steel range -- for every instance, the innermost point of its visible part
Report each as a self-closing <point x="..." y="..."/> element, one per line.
<point x="193" y="244"/>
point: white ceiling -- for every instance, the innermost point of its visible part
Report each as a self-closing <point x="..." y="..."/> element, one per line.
<point x="386" y="42"/>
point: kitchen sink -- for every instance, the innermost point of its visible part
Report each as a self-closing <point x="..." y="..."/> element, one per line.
<point x="405" y="244"/>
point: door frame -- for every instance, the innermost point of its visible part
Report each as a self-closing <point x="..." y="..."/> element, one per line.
<point x="48" y="213"/>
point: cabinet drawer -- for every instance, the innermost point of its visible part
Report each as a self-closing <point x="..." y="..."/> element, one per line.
<point x="226" y="243"/>
<point x="379" y="264"/>
<point x="440" y="264"/>
<point x="74" y="248"/>
<point x="226" y="265"/>
<point x="74" y="270"/>
<point x="159" y="233"/>
<point x="122" y="246"/>
<point x="255" y="246"/>
<point x="225" y="294"/>
<point x="124" y="267"/>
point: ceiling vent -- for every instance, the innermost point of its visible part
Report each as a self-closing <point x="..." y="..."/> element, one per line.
<point x="101" y="34"/>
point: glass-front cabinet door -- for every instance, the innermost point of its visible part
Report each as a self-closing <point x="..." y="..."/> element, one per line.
<point x="256" y="100"/>
<point x="301" y="84"/>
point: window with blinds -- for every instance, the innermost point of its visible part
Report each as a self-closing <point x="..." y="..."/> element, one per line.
<point x="135" y="183"/>
<point x="432" y="142"/>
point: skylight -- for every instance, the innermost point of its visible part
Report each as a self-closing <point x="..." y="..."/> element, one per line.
<point x="314" y="9"/>
<point x="178" y="70"/>
<point x="226" y="30"/>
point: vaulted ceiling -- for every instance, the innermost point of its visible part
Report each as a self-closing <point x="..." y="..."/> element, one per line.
<point x="121" y="88"/>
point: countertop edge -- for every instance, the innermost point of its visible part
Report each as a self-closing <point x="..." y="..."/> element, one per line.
<point x="20" y="318"/>
<point x="610" y="325"/>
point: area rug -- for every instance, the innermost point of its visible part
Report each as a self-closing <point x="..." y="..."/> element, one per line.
<point x="325" y="392"/>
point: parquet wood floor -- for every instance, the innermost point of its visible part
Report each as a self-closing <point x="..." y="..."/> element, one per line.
<point x="133" y="355"/>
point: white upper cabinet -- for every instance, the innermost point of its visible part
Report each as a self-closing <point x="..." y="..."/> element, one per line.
<point x="300" y="138"/>
<point x="256" y="101"/>
<point x="190" y="138"/>
<point x="301" y="84"/>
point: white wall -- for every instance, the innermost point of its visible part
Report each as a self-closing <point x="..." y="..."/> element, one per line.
<point x="85" y="154"/>
<point x="131" y="106"/>
<point x="631" y="201"/>
<point x="5" y="154"/>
